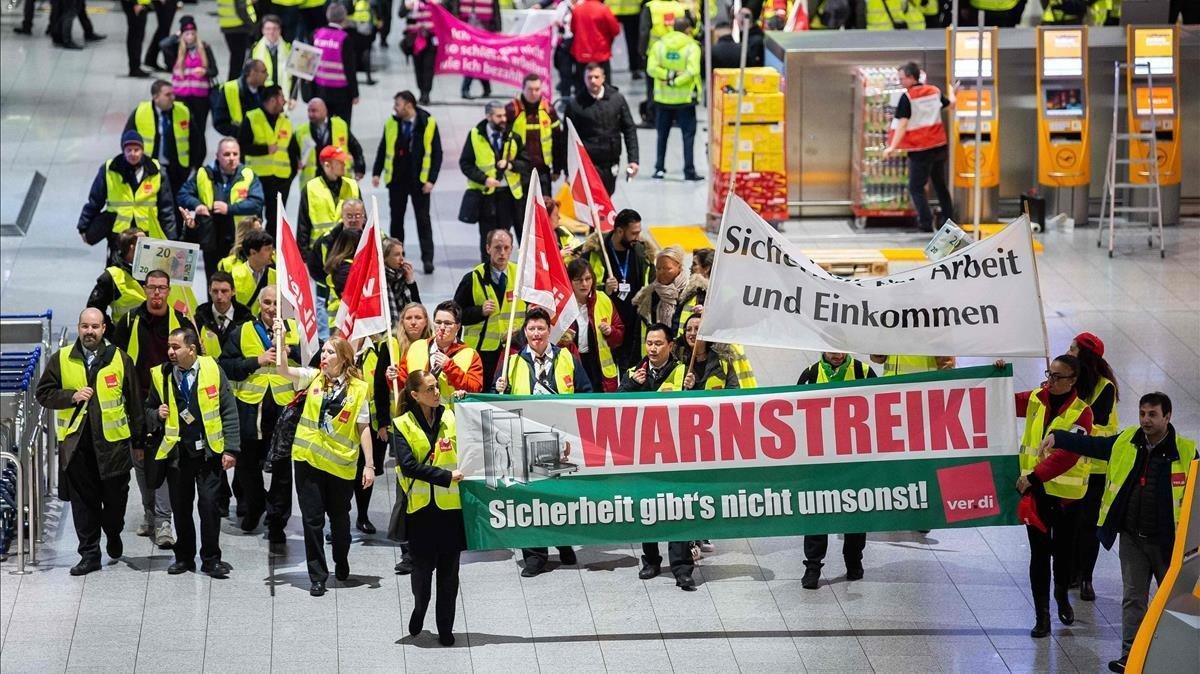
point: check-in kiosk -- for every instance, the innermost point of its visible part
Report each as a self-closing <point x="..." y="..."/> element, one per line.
<point x="1064" y="158"/>
<point x="971" y="62"/>
<point x="1152" y="85"/>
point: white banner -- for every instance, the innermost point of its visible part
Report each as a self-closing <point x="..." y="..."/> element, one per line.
<point x="980" y="301"/>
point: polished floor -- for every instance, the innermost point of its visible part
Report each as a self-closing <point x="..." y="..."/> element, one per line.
<point x="953" y="600"/>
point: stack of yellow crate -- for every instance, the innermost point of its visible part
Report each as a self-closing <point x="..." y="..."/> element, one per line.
<point x="758" y="160"/>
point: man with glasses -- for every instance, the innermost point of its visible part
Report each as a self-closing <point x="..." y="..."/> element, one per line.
<point x="142" y="334"/>
<point x="354" y="219"/>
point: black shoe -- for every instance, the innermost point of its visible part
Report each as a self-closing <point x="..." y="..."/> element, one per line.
<point x="276" y="536"/>
<point x="532" y="570"/>
<point x="115" y="548"/>
<point x="487" y="90"/>
<point x="23" y="30"/>
<point x="84" y="567"/>
<point x="341" y="570"/>
<point x="94" y="37"/>
<point x="854" y="572"/>
<point x="685" y="582"/>
<point x="446" y="639"/>
<point x="364" y="525"/>
<point x="317" y="589"/>
<point x="567" y="557"/>
<point x="250" y="522"/>
<point x="428" y="268"/>
<point x="1066" y="614"/>
<point x="139" y="74"/>
<point x="404" y="566"/>
<point x="416" y="622"/>
<point x="660" y="174"/>
<point x="811" y="578"/>
<point x="423" y="100"/>
<point x="216" y="569"/>
<point x="180" y="567"/>
<point x="1041" y="628"/>
<point x="467" y="95"/>
<point x="1086" y="591"/>
<point x="693" y="177"/>
<point x="1118" y="665"/>
<point x="649" y="570"/>
<point x="637" y="75"/>
<point x="70" y="44"/>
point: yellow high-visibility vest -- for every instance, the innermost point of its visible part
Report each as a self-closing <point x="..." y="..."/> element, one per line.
<point x="417" y="358"/>
<point x="324" y="209"/>
<point x="1120" y="464"/>
<point x="485" y="161"/>
<point x="254" y="388"/>
<point x="1114" y="424"/>
<point x="339" y="137"/>
<point x="333" y="449"/>
<point x="130" y="293"/>
<point x="110" y="382"/>
<point x="489" y="334"/>
<point x="520" y="374"/>
<point x="420" y="492"/>
<point x="138" y="208"/>
<point x="391" y="132"/>
<point x="1071" y="484"/>
<point x="276" y="164"/>
<point x="145" y="119"/>
<point x="207" y="389"/>
<point x="546" y="126"/>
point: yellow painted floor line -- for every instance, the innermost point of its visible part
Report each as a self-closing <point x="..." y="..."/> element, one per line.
<point x="688" y="237"/>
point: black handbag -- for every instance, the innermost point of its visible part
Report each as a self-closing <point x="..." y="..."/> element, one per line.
<point x="472" y="204"/>
<point x="100" y="227"/>
<point x="397" y="530"/>
<point x="285" y="431"/>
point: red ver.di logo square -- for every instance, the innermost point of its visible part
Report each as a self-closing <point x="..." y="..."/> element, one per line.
<point x="968" y="492"/>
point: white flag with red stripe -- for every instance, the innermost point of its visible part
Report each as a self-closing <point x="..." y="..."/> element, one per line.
<point x="541" y="275"/>
<point x="592" y="203"/>
<point x="365" y="310"/>
<point x="295" y="288"/>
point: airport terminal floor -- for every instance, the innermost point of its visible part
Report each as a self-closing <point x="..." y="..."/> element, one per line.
<point x="947" y="600"/>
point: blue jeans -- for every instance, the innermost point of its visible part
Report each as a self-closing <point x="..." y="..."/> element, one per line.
<point x="683" y="116"/>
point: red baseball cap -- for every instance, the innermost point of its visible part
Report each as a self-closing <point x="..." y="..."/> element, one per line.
<point x="331" y="152"/>
<point x="1086" y="340"/>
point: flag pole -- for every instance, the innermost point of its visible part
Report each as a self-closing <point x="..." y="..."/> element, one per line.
<point x="1037" y="282"/>
<point x="280" y="357"/>
<point x="393" y="351"/>
<point x="573" y="136"/>
<point x="535" y="188"/>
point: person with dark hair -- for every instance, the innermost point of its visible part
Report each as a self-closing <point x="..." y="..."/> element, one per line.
<point x="457" y="366"/>
<point x="269" y="144"/>
<point x="1143" y="494"/>
<point x="165" y="127"/>
<point x="917" y="130"/>
<point x="237" y="20"/>
<point x="274" y="51"/>
<point x="543" y="136"/>
<point x="193" y="69"/>
<point x="116" y="291"/>
<point x="337" y="75"/>
<point x="1097" y="386"/>
<point x="218" y="318"/>
<point x="1054" y="406"/>
<point x="493" y="161"/>
<point x="320" y="131"/>
<point x="409" y="158"/>
<point x="254" y="271"/>
<point x="598" y="330"/>
<point x="192" y="406"/>
<point x="486" y="294"/>
<point x="602" y="119"/>
<point x="98" y="428"/>
<point x="136" y="13"/>
<point x="233" y="99"/>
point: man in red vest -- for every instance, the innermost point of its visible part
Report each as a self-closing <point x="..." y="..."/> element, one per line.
<point x="917" y="129"/>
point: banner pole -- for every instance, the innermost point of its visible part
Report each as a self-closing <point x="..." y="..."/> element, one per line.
<point x="280" y="357"/>
<point x="1037" y="281"/>
<point x="393" y="351"/>
<point x="535" y="187"/>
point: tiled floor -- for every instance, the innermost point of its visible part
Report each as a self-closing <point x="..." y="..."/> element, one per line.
<point x="952" y="600"/>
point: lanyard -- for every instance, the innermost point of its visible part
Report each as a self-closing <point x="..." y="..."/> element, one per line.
<point x="624" y="266"/>
<point x="263" y="335"/>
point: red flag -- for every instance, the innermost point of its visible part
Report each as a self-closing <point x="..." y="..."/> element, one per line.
<point x="592" y="203"/>
<point x="295" y="288"/>
<point x="365" y="310"/>
<point x="542" y="277"/>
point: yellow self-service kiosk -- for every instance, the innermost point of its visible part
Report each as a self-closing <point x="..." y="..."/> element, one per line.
<point x="1064" y="158"/>
<point x="971" y="63"/>
<point x="1152" y="85"/>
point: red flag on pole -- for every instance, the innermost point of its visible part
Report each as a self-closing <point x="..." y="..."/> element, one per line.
<point x="541" y="275"/>
<point x="365" y="310"/>
<point x="296" y="289"/>
<point x="592" y="203"/>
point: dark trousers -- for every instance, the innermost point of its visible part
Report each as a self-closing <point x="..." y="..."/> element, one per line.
<point x="678" y="552"/>
<point x="969" y="16"/>
<point x="248" y="475"/>
<point x="816" y="545"/>
<point x="565" y="66"/>
<point x="62" y="18"/>
<point x="238" y="42"/>
<point x="311" y="19"/>
<point x="1051" y="551"/>
<point x="607" y="177"/>
<point x="385" y="21"/>
<point x="466" y="86"/>
<point x="97" y="504"/>
<point x="446" y="565"/>
<point x="135" y="33"/>
<point x="165" y="13"/>
<point x="499" y="211"/>
<point x="215" y="236"/>
<point x="337" y="99"/>
<point x="290" y="15"/>
<point x="362" y="497"/>
<point x="924" y="166"/>
<point x="272" y="186"/>
<point x="423" y="69"/>
<point x="279" y="496"/>
<point x="199" y="107"/>
<point x="400" y="191"/>
<point x="683" y="116"/>
<point x="1087" y="544"/>
<point x="490" y="360"/>
<point x="27" y="16"/>
<point x="535" y="558"/>
<point x="631" y="25"/>
<point x="321" y="493"/>
<point x="196" y="478"/>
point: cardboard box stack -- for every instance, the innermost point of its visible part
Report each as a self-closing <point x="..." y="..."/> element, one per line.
<point x="761" y="178"/>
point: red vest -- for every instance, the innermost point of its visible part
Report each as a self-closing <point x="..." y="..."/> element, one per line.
<point x="925" y="130"/>
<point x="331" y="71"/>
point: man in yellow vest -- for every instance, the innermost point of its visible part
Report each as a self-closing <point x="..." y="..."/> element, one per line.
<point x="674" y="65"/>
<point x="248" y="358"/>
<point x="353" y="219"/>
<point x="321" y="198"/>
<point x="410" y="158"/>
<point x="233" y="99"/>
<point x="493" y="160"/>
<point x="237" y="20"/>
<point x="254" y="273"/>
<point x="129" y="190"/>
<point x="532" y="119"/>
<point x="542" y="368"/>
<point x="116" y="290"/>
<point x="269" y="145"/>
<point x="165" y="127"/>
<point x="274" y="52"/>
<point x="894" y="15"/>
<point x="486" y="294"/>
<point x="320" y="131"/>
<point x="191" y="408"/>
<point x="1143" y="493"/>
<point x="214" y="197"/>
<point x="893" y="365"/>
<point x="92" y="388"/>
<point x="657" y="19"/>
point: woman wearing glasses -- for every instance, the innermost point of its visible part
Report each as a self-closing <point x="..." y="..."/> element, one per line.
<point x="457" y="366"/>
<point x="1054" y="406"/>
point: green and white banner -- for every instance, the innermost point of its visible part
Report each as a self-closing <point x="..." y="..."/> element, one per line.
<point x="922" y="451"/>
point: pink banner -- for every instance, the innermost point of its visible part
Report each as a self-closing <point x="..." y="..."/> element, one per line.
<point x="474" y="52"/>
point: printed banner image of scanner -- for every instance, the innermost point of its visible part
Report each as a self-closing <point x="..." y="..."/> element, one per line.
<point x="511" y="453"/>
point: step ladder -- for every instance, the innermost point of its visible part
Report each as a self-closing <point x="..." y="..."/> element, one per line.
<point x="1120" y="213"/>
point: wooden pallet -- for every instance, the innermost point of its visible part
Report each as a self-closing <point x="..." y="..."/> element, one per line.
<point x="850" y="262"/>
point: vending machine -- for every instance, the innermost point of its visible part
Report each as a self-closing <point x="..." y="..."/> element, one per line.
<point x="1064" y="158"/>
<point x="1152" y="85"/>
<point x="975" y="126"/>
